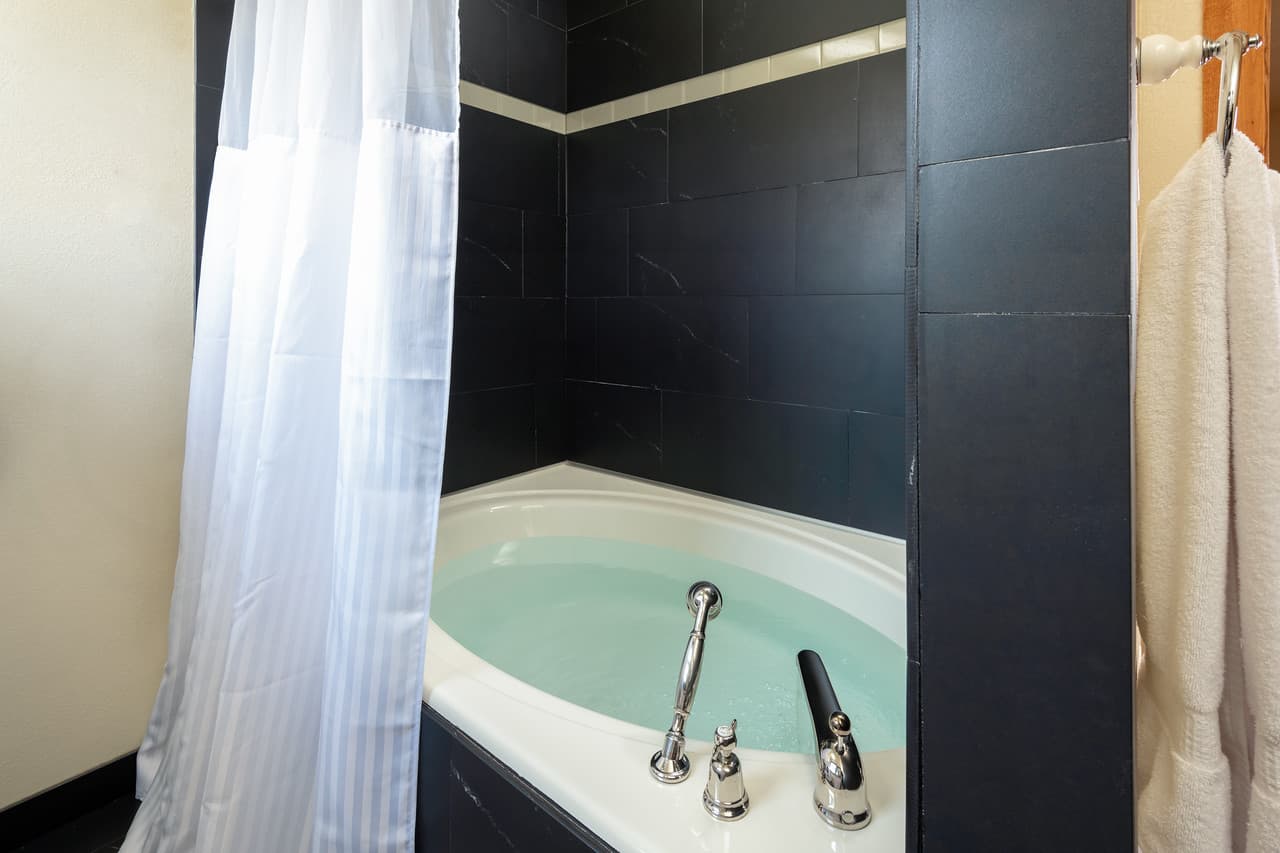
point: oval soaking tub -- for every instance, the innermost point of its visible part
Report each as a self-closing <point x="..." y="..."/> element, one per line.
<point x="558" y="624"/>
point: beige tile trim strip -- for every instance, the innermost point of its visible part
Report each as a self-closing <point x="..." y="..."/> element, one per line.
<point x="812" y="57"/>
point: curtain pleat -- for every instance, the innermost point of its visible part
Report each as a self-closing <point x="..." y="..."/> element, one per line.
<point x="287" y="716"/>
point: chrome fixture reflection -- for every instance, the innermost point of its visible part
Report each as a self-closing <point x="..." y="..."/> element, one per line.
<point x="725" y="797"/>
<point x="670" y="764"/>
<point x="840" y="794"/>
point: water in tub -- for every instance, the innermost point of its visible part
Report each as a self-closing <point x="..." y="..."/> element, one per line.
<point x="602" y="623"/>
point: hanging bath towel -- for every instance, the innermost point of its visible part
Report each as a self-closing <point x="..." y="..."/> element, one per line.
<point x="1252" y="715"/>
<point x="1182" y="447"/>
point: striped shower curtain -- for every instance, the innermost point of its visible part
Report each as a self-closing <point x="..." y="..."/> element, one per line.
<point x="287" y="717"/>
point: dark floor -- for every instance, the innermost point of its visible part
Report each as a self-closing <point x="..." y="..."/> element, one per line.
<point x="98" y="831"/>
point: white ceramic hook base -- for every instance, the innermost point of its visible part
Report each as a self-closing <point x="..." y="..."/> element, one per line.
<point x="1160" y="56"/>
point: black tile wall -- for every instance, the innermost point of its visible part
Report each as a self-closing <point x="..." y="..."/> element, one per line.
<point x="491" y="434"/>
<point x="618" y="165"/>
<point x="801" y="129"/>
<point x="1018" y="295"/>
<point x="516" y="47"/>
<point x="741" y="332"/>
<point x="508" y="163"/>
<point x="638" y="47"/>
<point x="736" y="31"/>
<point x="490" y="250"/>
<point x="882" y="113"/>
<point x="989" y="242"/>
<point x="1062" y="93"/>
<point x="544" y="253"/>
<point x="618" y="48"/>
<point x="743" y="243"/>
<point x="213" y="33"/>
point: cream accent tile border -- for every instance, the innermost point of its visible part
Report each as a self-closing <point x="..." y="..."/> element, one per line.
<point x="850" y="47"/>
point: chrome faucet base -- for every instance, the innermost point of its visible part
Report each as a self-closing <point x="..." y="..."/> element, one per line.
<point x="726" y="811"/>
<point x="839" y="818"/>
<point x="669" y="764"/>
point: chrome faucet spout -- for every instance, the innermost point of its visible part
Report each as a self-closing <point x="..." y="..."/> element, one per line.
<point x="840" y="793"/>
<point x="670" y="764"/>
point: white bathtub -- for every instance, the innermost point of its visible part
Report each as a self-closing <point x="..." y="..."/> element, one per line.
<point x="595" y="766"/>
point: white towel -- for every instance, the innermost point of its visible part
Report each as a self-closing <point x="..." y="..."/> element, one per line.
<point x="1253" y="316"/>
<point x="1182" y="449"/>
<point x="1207" y="415"/>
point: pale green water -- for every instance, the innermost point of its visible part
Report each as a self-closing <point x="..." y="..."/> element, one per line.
<point x="602" y="623"/>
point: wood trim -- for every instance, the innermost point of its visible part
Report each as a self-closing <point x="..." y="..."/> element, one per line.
<point x="1253" y="116"/>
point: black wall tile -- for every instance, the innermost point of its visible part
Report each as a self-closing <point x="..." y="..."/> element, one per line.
<point x="208" y="107"/>
<point x="640" y="47"/>
<point x="800" y="130"/>
<point x="1072" y="87"/>
<point x="1036" y="232"/>
<point x="788" y="457"/>
<point x="877" y="478"/>
<point x="489" y="250"/>
<point x="741" y="243"/>
<point x="580" y="338"/>
<point x="598" y="254"/>
<point x="549" y="422"/>
<point x="842" y="352"/>
<point x="213" y="33"/>
<point x="619" y="165"/>
<point x="737" y="31"/>
<point x="490" y="435"/>
<point x="1025" y="575"/>
<point x="544" y="254"/>
<point x="535" y="60"/>
<point x="553" y="12"/>
<point x="850" y="235"/>
<point x="684" y="344"/>
<point x="507" y="162"/>
<point x="483" y="32"/>
<point x="581" y="11"/>
<point x="615" y="427"/>
<point x="431" y="833"/>
<point x="882" y="113"/>
<point x="501" y="342"/>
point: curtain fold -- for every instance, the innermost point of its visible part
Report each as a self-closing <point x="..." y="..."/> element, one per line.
<point x="287" y="716"/>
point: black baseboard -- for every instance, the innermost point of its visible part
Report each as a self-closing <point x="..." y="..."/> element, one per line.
<point x="60" y="804"/>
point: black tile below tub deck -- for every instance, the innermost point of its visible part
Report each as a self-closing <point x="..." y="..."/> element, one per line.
<point x="735" y="31"/>
<point x="637" y="48"/>
<point x="682" y="343"/>
<point x="882" y="113"/>
<point x="615" y="427"/>
<point x="544" y="254"/>
<point x="842" y="352"/>
<point x="618" y="165"/>
<point x="744" y="243"/>
<point x="877" y="473"/>
<point x="499" y="342"/>
<point x="213" y="34"/>
<point x="849" y="235"/>
<point x="431" y="832"/>
<point x="508" y="163"/>
<point x="795" y="131"/>
<point x="1024" y="528"/>
<point x="1031" y="233"/>
<point x="535" y="60"/>
<point x="580" y="338"/>
<point x="1047" y="91"/>
<point x="483" y="32"/>
<point x="792" y="458"/>
<point x="490" y="435"/>
<point x="598" y="254"/>
<point x="489" y="250"/>
<point x="582" y="11"/>
<point x="553" y="12"/>
<point x="488" y="813"/>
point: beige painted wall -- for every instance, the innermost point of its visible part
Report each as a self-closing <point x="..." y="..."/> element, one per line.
<point x="1168" y="114"/>
<point x="96" y="132"/>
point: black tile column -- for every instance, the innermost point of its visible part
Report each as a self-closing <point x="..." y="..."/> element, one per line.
<point x="1019" y="250"/>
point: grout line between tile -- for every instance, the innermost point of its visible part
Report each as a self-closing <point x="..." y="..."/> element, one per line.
<point x="849" y="47"/>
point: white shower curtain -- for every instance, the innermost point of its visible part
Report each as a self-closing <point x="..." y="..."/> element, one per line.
<point x="287" y="717"/>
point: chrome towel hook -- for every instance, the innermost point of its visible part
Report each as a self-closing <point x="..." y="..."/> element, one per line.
<point x="1159" y="56"/>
